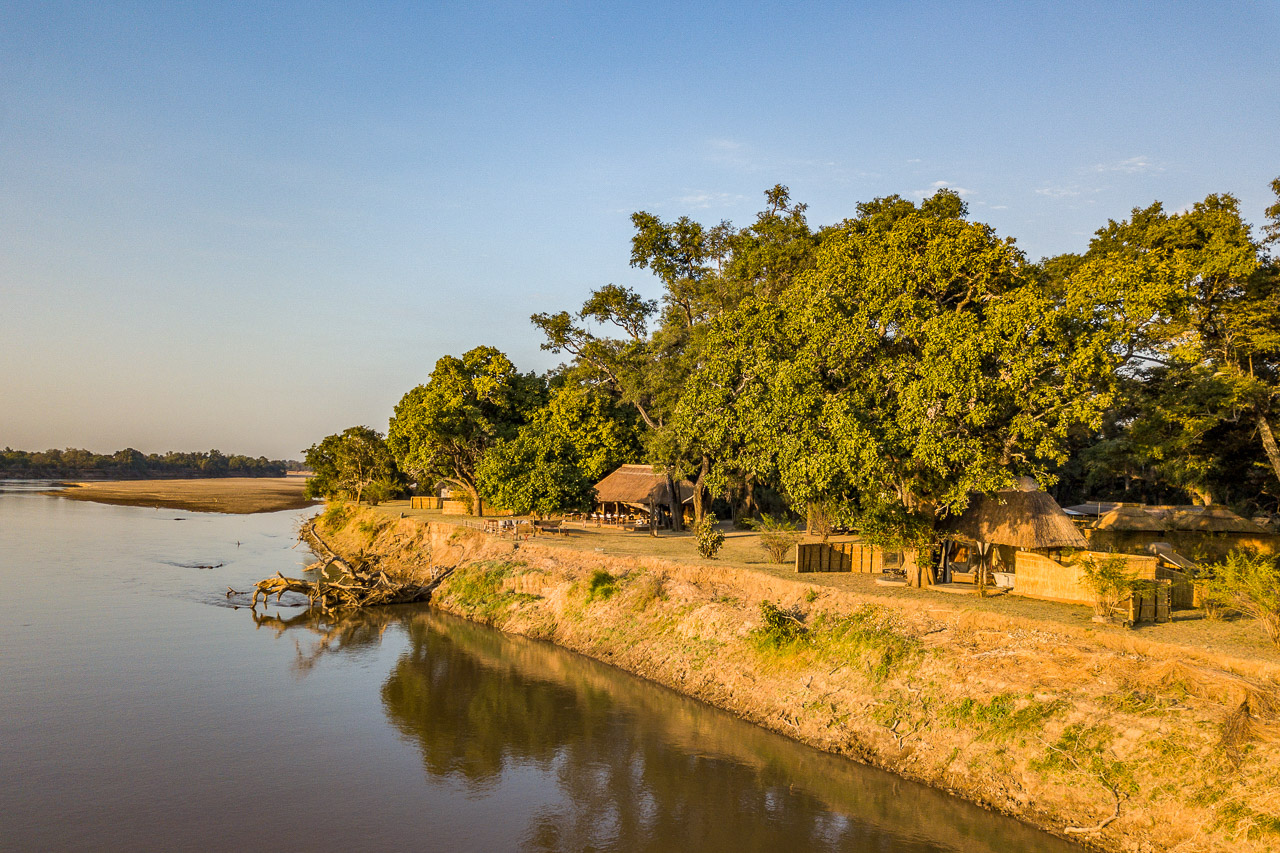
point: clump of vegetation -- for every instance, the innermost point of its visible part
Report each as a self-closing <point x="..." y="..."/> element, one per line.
<point x="1249" y="583"/>
<point x="371" y="527"/>
<point x="869" y="636"/>
<point x="1111" y="581"/>
<point x="478" y="589"/>
<point x="1086" y="750"/>
<point x="709" y="537"/>
<point x="1002" y="716"/>
<point x="649" y="589"/>
<point x="601" y="586"/>
<point x="777" y="535"/>
<point x="335" y="515"/>
<point x="779" y="629"/>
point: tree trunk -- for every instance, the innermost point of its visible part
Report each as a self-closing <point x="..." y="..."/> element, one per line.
<point x="918" y="574"/>
<point x="1269" y="444"/>
<point x="476" y="505"/>
<point x="749" y="503"/>
<point x="699" y="491"/>
<point x="677" y="506"/>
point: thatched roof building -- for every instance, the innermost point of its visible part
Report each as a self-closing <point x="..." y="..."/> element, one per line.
<point x="639" y="486"/>
<point x="1021" y="519"/>
<point x="1129" y="517"/>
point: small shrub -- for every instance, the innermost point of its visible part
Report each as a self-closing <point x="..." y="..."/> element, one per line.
<point x="601" y="586"/>
<point x="371" y="527"/>
<point x="777" y="535"/>
<point x="780" y="628"/>
<point x="709" y="537"/>
<point x="335" y="515"/>
<point x="1111" y="581"/>
<point x="1249" y="583"/>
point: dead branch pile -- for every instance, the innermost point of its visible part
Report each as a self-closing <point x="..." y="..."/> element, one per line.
<point x="339" y="586"/>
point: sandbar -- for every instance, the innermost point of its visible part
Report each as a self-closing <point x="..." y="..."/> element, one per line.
<point x="213" y="494"/>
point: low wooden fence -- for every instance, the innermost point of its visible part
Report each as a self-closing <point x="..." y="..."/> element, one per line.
<point x="843" y="557"/>
<point x="425" y="502"/>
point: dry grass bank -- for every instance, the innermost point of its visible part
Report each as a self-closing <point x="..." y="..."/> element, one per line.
<point x="1122" y="743"/>
<point x="221" y="494"/>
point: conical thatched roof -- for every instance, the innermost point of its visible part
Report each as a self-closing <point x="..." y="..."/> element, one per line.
<point x="639" y="485"/>
<point x="1126" y="517"/>
<point x="1212" y="519"/>
<point x="1017" y="518"/>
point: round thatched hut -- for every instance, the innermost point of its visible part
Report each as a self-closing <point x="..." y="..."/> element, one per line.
<point x="995" y="527"/>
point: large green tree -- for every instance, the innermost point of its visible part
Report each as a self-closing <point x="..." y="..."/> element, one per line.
<point x="915" y="361"/>
<point x="554" y="461"/>
<point x="1193" y="303"/>
<point x="442" y="429"/>
<point x="351" y="463"/>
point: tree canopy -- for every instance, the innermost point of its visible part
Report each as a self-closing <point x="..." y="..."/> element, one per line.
<point x="354" y="463"/>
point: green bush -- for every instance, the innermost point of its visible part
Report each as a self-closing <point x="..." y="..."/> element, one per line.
<point x="709" y="537"/>
<point x="779" y="628"/>
<point x="1249" y="583"/>
<point x="777" y="535"/>
<point x="335" y="515"/>
<point x="601" y="586"/>
<point x="1111" y="581"/>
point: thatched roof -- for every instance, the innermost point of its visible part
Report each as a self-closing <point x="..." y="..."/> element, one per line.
<point x="1021" y="519"/>
<point x="1128" y="517"/>
<point x="1212" y="519"/>
<point x="639" y="485"/>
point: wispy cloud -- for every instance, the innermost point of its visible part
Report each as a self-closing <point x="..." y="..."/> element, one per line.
<point x="1130" y="166"/>
<point x="1059" y="191"/>
<point x="937" y="185"/>
<point x="703" y="200"/>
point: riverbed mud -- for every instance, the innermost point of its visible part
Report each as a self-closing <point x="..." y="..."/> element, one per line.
<point x="1118" y="746"/>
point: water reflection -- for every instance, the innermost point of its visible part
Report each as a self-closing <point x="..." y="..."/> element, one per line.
<point x="612" y="761"/>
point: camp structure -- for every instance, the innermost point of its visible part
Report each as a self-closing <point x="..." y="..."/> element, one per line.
<point x="633" y="490"/>
<point x="1198" y="532"/>
<point x="996" y="527"/>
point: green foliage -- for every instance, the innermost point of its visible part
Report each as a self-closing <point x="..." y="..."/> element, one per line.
<point x="601" y="586"/>
<point x="478" y="589"/>
<point x="553" y="462"/>
<point x="777" y="535"/>
<point x="1111" y="581"/>
<point x="133" y="463"/>
<point x="1003" y="716"/>
<point x="335" y="516"/>
<point x="349" y="463"/>
<point x="779" y="629"/>
<point x="441" y="430"/>
<point x="708" y="536"/>
<point x="1084" y="749"/>
<point x="869" y="636"/>
<point x="1250" y="583"/>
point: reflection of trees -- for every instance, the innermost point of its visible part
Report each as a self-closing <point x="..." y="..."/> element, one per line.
<point x="330" y="633"/>
<point x="635" y="766"/>
<point x="639" y="767"/>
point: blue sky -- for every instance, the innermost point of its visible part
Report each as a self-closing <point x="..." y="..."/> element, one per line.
<point x="247" y="225"/>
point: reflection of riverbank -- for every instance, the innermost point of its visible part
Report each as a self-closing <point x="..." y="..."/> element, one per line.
<point x="622" y="763"/>
<point x="214" y="494"/>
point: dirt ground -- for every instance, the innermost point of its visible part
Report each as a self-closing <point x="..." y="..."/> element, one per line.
<point x="1235" y="638"/>
<point x="220" y="494"/>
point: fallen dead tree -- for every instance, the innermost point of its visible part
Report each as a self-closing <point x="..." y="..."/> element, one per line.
<point x="341" y="586"/>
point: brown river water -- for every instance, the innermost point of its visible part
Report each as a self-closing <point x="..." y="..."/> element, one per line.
<point x="140" y="710"/>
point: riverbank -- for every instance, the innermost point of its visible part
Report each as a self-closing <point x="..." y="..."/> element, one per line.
<point x="1120" y="744"/>
<point x="226" y="494"/>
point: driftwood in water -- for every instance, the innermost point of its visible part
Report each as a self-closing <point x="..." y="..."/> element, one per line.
<point x="339" y="585"/>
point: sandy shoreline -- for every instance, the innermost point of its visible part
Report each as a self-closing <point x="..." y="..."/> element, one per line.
<point x="223" y="494"/>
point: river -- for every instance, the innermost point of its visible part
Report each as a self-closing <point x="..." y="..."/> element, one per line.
<point x="141" y="710"/>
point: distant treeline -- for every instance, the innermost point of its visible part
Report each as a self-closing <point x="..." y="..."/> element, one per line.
<point x="130" y="464"/>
